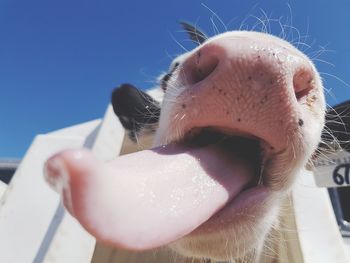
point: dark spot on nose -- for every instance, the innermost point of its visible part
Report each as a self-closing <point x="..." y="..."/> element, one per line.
<point x="250" y="78"/>
<point x="301" y="122"/>
<point x="184" y="106"/>
<point x="239" y="119"/>
<point x="272" y="148"/>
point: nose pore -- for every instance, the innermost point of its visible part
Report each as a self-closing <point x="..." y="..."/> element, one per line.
<point x="200" y="65"/>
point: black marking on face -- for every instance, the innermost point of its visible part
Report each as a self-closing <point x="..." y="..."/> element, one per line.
<point x="167" y="77"/>
<point x="194" y="33"/>
<point x="135" y="109"/>
<point x="338" y="125"/>
<point x="164" y="81"/>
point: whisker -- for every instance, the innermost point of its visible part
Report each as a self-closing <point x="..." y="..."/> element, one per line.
<point x="177" y="42"/>
<point x="215" y="15"/>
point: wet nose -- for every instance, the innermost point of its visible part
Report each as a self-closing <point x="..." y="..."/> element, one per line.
<point x="277" y="61"/>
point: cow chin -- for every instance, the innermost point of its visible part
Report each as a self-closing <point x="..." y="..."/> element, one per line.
<point x="244" y="237"/>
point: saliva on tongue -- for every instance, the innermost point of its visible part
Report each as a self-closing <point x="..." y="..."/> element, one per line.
<point x="153" y="197"/>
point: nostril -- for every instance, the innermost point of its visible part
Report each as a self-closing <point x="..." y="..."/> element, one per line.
<point x="303" y="82"/>
<point x="199" y="66"/>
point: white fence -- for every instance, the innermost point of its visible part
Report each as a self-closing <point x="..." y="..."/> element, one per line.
<point x="34" y="226"/>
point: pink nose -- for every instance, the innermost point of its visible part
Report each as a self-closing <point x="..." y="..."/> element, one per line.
<point x="257" y="57"/>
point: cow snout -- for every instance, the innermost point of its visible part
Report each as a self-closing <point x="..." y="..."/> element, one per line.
<point x="250" y="61"/>
<point x="247" y="82"/>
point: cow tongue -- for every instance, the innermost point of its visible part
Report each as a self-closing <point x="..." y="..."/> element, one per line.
<point x="149" y="198"/>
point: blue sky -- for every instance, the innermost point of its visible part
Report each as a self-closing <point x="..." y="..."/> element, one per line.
<point x="59" y="60"/>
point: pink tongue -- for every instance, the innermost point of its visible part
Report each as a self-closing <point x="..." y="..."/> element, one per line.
<point x="150" y="198"/>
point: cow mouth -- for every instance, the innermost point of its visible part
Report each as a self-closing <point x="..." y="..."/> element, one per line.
<point x="154" y="197"/>
<point x="243" y="146"/>
<point x="237" y="147"/>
